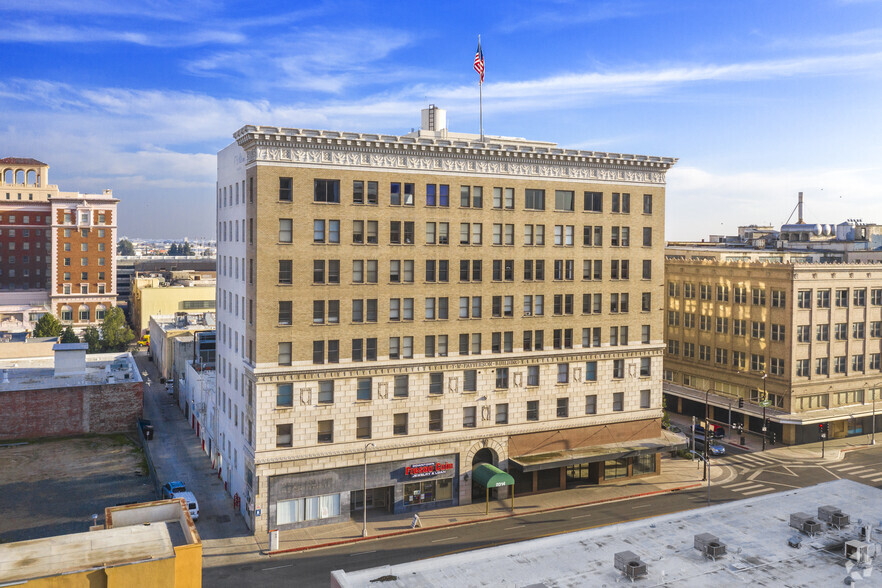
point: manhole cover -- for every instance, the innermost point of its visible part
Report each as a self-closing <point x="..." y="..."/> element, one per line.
<point x="222" y="518"/>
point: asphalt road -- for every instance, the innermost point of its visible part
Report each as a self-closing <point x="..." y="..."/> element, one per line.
<point x="745" y="475"/>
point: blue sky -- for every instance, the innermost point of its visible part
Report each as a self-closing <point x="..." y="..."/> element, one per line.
<point x="759" y="100"/>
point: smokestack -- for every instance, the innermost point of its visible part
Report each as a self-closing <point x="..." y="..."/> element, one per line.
<point x="799" y="221"/>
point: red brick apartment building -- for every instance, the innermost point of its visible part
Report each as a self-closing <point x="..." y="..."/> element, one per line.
<point x="57" y="249"/>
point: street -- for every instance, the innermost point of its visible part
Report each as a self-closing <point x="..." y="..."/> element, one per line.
<point x="734" y="477"/>
<point x="177" y="455"/>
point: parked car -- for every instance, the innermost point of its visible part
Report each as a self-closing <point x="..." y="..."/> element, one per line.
<point x="717" y="431"/>
<point x="169" y="489"/>
<point x="713" y="448"/>
<point x="192" y="504"/>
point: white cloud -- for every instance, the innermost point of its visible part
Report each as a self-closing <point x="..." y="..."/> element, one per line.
<point x="36" y="32"/>
<point x="568" y="13"/>
<point x="701" y="202"/>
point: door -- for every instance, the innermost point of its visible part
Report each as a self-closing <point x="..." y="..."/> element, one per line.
<point x="479" y="492"/>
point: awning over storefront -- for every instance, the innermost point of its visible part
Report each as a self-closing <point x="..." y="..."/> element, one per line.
<point x="558" y="459"/>
<point x="490" y="476"/>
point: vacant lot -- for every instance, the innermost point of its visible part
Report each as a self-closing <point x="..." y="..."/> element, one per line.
<point x="52" y="487"/>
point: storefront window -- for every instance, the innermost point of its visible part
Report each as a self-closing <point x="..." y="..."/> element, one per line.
<point x="307" y="509"/>
<point x="548" y="479"/>
<point x="429" y="491"/>
<point x="615" y="468"/>
<point x="444" y="489"/>
<point x="644" y="464"/>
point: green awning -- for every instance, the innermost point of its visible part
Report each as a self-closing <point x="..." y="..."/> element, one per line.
<point x="490" y="476"/>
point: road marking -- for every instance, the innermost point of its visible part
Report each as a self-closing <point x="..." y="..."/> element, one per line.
<point x="581" y="516"/>
<point x="279" y="567"/>
<point x="641" y="506"/>
<point x="445" y="539"/>
<point x="879" y="479"/>
<point x="362" y="553"/>
<point x="730" y="486"/>
<point x="746" y="488"/>
<point x="870" y="475"/>
<point x="845" y="468"/>
<point x="515" y="527"/>
<point x="757" y="491"/>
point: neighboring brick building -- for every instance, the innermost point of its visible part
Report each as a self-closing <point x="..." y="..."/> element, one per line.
<point x="57" y="248"/>
<point x="430" y="303"/>
<point x="69" y="394"/>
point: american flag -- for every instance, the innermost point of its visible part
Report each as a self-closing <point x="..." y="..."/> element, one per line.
<point x="479" y="61"/>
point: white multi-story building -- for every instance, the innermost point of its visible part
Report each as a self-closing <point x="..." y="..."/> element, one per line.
<point x="234" y="453"/>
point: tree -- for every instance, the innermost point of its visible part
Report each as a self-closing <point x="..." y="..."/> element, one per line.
<point x="186" y="249"/>
<point x="93" y="337"/>
<point x="68" y="336"/>
<point x="115" y="333"/>
<point x="48" y="326"/>
<point x="173" y="250"/>
<point x="125" y="247"/>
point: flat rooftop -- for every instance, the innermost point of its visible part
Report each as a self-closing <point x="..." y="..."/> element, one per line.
<point x="65" y="554"/>
<point x="755" y="532"/>
<point x="35" y="373"/>
<point x="202" y="321"/>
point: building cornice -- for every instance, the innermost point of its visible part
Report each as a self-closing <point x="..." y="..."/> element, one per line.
<point x="492" y="157"/>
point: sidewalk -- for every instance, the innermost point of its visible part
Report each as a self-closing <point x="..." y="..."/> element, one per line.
<point x="677" y="474"/>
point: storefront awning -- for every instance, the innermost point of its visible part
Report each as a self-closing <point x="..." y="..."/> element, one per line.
<point x="490" y="476"/>
<point x="558" y="459"/>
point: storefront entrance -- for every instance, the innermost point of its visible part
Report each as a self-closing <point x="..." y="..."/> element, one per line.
<point x="377" y="498"/>
<point x="484" y="455"/>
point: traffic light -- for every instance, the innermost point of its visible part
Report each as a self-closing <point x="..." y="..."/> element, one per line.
<point x="740" y="403"/>
<point x="822" y="427"/>
<point x="773" y="438"/>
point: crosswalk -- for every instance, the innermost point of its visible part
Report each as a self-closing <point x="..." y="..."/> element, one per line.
<point x="749" y="488"/>
<point x="861" y="472"/>
<point x="751" y="461"/>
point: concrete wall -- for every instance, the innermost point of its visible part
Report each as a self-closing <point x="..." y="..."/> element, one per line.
<point x="57" y="412"/>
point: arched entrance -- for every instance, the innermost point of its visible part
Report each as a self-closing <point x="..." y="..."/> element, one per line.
<point x="485" y="455"/>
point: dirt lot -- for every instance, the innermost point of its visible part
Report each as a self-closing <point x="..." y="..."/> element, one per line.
<point x="52" y="487"/>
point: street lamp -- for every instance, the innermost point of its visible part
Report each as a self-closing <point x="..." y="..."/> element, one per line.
<point x="873" y="429"/>
<point x="706" y="436"/>
<point x="364" y="495"/>
<point x="765" y="401"/>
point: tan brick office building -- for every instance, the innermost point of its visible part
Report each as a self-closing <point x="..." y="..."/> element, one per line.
<point x="814" y="330"/>
<point x="433" y="302"/>
<point x="58" y="248"/>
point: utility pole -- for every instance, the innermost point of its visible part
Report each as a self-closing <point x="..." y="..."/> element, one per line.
<point x="764" y="403"/>
<point x="364" y="495"/>
<point x="706" y="437"/>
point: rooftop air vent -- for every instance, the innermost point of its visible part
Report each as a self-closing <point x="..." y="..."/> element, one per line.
<point x="630" y="565"/>
<point x="805" y="523"/>
<point x="859" y="551"/>
<point x="833" y="516"/>
<point x="710" y="546"/>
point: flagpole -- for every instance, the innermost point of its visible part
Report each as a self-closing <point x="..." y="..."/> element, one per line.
<point x="481" y="97"/>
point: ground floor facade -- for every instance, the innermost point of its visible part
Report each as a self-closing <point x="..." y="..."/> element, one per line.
<point x="777" y="425"/>
<point x="411" y="478"/>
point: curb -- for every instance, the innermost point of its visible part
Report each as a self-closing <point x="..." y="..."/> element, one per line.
<point x="476" y="521"/>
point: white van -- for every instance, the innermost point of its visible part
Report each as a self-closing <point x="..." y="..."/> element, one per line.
<point x="192" y="504"/>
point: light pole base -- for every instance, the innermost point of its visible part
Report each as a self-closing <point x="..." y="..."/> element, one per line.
<point x="364" y="533"/>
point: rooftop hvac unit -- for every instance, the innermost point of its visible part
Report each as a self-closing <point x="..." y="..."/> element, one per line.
<point x="630" y="564"/>
<point x="805" y="523"/>
<point x="859" y="551"/>
<point x="710" y="546"/>
<point x="833" y="516"/>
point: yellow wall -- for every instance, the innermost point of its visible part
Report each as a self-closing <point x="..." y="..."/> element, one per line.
<point x="188" y="566"/>
<point x="148" y="300"/>
<point x="150" y="574"/>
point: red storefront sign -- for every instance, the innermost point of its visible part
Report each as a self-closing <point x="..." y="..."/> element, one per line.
<point x="426" y="469"/>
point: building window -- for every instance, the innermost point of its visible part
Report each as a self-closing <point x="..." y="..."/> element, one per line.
<point x="402" y="386"/>
<point x="285" y="312"/>
<point x="285" y="353"/>
<point x="823" y="298"/>
<point x="618" y="401"/>
<point x="399" y="423"/>
<point x="618" y="368"/>
<point x="645" y="398"/>
<point x="326" y="392"/>
<point x="284" y="395"/>
<point x="469" y="417"/>
<point x="563" y="408"/>
<point x="286" y="189"/>
<point x="325" y="432"/>
<point x="534" y="199"/>
<point x="470" y="381"/>
<point x="502" y="414"/>
<point x="563" y="200"/>
<point x="436" y="382"/>
<point x="363" y="427"/>
<point x="593" y="202"/>
<point x="501" y="378"/>
<point x="284" y="435"/>
<point x="563" y="373"/>
<point x="436" y="420"/>
<point x="327" y="191"/>
<point x="532" y="375"/>
<point x="286" y="230"/>
<point x="532" y="410"/>
<point x="591" y="404"/>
